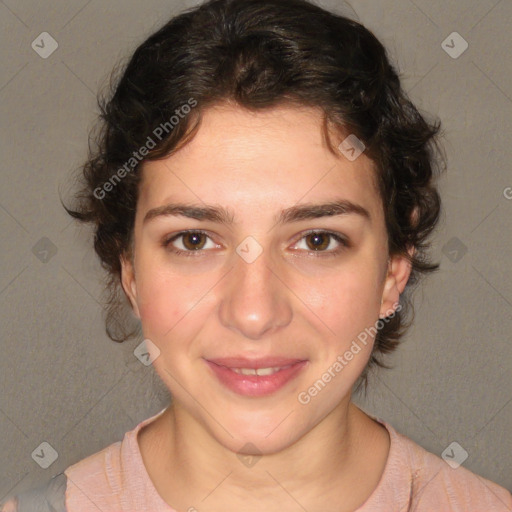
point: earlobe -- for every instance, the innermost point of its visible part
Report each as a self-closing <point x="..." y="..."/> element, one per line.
<point x="399" y="271"/>
<point x="129" y="285"/>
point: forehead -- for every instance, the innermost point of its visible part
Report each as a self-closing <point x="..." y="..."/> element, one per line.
<point x="265" y="159"/>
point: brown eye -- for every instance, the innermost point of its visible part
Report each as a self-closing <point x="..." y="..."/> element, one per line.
<point x="319" y="241"/>
<point x="194" y="240"/>
<point x="188" y="243"/>
<point x="323" y="243"/>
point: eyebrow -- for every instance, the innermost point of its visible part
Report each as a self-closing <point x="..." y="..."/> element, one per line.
<point x="295" y="213"/>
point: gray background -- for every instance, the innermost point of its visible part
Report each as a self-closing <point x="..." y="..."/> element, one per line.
<point x="65" y="383"/>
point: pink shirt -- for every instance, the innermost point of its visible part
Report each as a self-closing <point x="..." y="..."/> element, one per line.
<point x="115" y="480"/>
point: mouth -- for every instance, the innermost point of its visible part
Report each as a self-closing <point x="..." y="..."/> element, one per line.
<point x="257" y="377"/>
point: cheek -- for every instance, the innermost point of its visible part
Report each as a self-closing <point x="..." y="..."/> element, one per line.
<point x="172" y="306"/>
<point x="347" y="302"/>
<point x="162" y="302"/>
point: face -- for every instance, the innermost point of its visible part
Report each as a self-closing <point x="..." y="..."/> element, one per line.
<point x="265" y="277"/>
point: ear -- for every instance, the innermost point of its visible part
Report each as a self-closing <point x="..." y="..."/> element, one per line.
<point x="129" y="284"/>
<point x="399" y="270"/>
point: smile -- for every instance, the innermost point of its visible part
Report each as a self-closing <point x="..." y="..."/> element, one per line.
<point x="258" y="381"/>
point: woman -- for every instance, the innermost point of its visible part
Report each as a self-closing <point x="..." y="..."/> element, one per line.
<point x="263" y="192"/>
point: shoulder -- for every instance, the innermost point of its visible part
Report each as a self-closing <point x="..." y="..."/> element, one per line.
<point x="49" y="497"/>
<point x="114" y="478"/>
<point x="102" y="481"/>
<point x="88" y="484"/>
<point x="96" y="480"/>
<point x="91" y="482"/>
<point x="439" y="485"/>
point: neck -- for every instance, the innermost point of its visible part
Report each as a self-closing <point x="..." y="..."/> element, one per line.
<point x="342" y="457"/>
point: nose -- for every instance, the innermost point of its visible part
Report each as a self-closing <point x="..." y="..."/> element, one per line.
<point x="255" y="300"/>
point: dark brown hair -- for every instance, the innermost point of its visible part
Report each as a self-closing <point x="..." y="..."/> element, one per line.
<point x="258" y="54"/>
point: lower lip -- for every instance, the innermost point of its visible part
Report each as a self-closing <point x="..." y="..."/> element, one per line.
<point x="254" y="385"/>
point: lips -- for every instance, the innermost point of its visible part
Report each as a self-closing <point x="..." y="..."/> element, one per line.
<point x="255" y="377"/>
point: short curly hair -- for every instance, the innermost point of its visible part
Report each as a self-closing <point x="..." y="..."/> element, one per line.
<point x="258" y="54"/>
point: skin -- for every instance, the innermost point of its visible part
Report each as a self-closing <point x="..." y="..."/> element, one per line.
<point x="291" y="301"/>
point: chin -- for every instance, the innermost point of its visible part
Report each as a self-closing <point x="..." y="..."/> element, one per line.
<point x="262" y="434"/>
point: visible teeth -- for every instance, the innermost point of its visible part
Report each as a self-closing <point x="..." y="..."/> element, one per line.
<point x="257" y="371"/>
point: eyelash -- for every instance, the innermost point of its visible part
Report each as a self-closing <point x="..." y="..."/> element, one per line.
<point x="166" y="243"/>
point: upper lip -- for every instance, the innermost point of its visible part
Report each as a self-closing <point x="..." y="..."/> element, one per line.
<point x="264" y="362"/>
